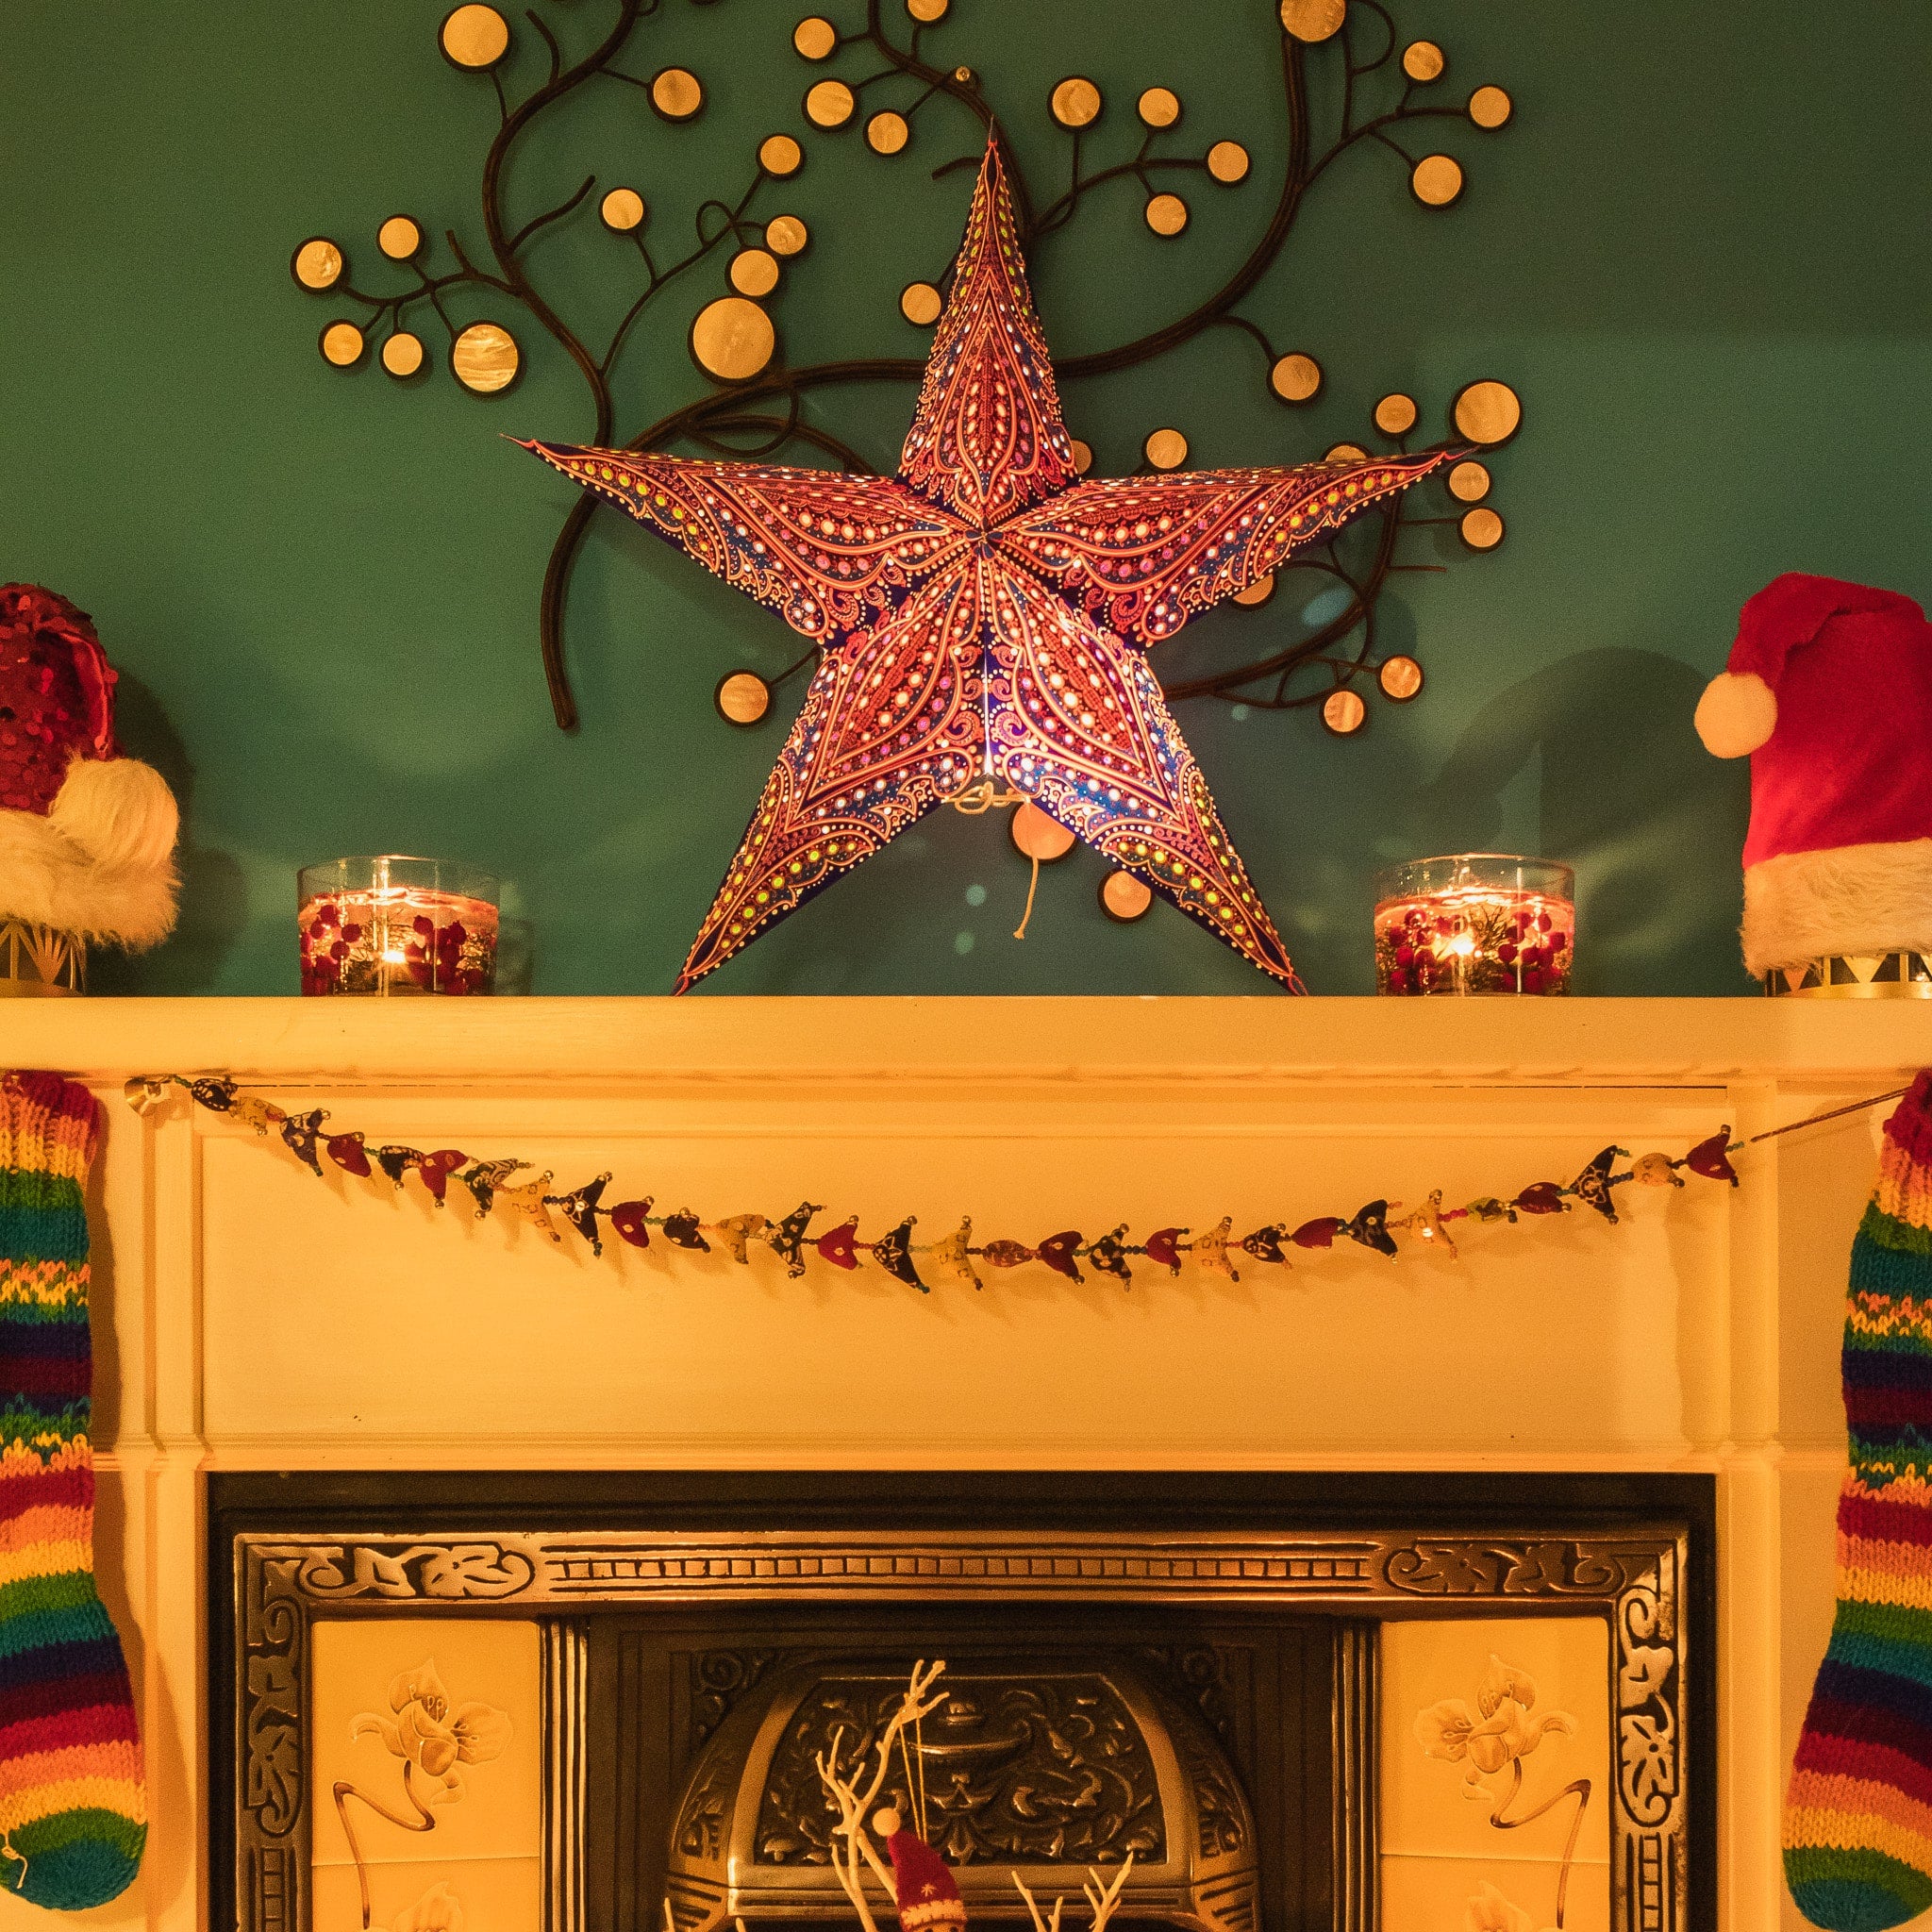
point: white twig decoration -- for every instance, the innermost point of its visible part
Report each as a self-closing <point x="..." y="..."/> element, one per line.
<point x="853" y="1853"/>
<point x="1101" y="1900"/>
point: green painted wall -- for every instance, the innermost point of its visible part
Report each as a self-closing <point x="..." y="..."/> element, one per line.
<point x="1698" y="253"/>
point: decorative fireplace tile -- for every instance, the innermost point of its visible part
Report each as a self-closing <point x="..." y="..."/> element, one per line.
<point x="435" y="1895"/>
<point x="1490" y="1896"/>
<point x="427" y="1765"/>
<point x="1495" y="1749"/>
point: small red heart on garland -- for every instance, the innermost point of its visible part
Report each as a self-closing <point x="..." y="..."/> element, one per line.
<point x="627" y="1219"/>
<point x="838" y="1244"/>
<point x="347" y="1152"/>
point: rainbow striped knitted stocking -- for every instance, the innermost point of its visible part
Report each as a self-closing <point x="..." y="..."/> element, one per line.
<point x="73" y="1802"/>
<point x="1857" y="1826"/>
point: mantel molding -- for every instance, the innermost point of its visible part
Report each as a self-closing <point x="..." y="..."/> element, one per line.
<point x="614" y="1042"/>
<point x="251" y="1316"/>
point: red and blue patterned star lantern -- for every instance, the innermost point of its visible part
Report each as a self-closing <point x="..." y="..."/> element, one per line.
<point x="983" y="616"/>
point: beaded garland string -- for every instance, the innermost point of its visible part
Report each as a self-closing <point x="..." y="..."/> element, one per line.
<point x="493" y="1185"/>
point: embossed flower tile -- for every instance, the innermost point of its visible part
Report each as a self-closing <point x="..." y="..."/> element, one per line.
<point x="1495" y="1749"/>
<point x="427" y="1768"/>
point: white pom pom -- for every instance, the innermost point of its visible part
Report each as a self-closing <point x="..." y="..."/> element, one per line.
<point x="886" y="1823"/>
<point x="1736" y="714"/>
<point x="119" y="811"/>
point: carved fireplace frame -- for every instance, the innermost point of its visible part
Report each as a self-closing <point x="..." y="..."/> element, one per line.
<point x="1636" y="1575"/>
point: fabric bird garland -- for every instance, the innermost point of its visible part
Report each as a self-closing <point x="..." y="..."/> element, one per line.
<point x="492" y="1187"/>
<point x="984" y="616"/>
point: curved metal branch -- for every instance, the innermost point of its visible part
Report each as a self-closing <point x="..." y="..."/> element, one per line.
<point x="1294" y="182"/>
<point x="708" y="421"/>
<point x="537" y="22"/>
<point x="556" y="214"/>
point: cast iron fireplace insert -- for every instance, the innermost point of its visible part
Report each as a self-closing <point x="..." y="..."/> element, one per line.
<point x="1213" y="1637"/>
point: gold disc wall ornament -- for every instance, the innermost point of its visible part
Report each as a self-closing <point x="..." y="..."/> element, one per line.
<point x="1158" y="107"/>
<point x="1167" y="214"/>
<point x="1400" y="678"/>
<point x="787" y="236"/>
<point x="1083" y="457"/>
<point x="404" y="356"/>
<point x="1037" y="836"/>
<point x="1343" y="712"/>
<point x="754" y="272"/>
<point x="1253" y="596"/>
<point x="1346" y="453"/>
<point x="1481" y="528"/>
<point x="1228" y="162"/>
<point x="485" y="359"/>
<point x="622" y="210"/>
<point x="677" y="93"/>
<point x="779" y="155"/>
<point x="830" y="103"/>
<point x="921" y="303"/>
<point x="926" y="12"/>
<point x="888" y="132"/>
<point x="474" y="38"/>
<point x="1165" y="449"/>
<point x="1436" y="180"/>
<point x="1395" y="414"/>
<point x="742" y="697"/>
<point x="732" y="338"/>
<point x="1313" y="19"/>
<point x="815" y="38"/>
<point x="1296" y="379"/>
<point x="317" y="264"/>
<point x="1488" y="412"/>
<point x="1469" y="482"/>
<point x="1491" y="107"/>
<point x="1123" y="898"/>
<point x="1423" y="61"/>
<point x="1075" y="102"/>
<point x="343" y="344"/>
<point x="400" y="238"/>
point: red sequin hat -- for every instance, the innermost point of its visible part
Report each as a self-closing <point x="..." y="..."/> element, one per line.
<point x="927" y="1894"/>
<point x="86" y="835"/>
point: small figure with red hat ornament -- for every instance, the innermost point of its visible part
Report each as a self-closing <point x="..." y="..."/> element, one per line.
<point x="87" y="834"/>
<point x="923" y="1888"/>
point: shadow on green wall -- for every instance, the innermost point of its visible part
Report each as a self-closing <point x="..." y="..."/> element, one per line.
<point x="214" y="905"/>
<point x="1628" y="796"/>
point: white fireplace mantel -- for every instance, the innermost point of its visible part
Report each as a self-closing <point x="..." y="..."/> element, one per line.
<point x="249" y="1315"/>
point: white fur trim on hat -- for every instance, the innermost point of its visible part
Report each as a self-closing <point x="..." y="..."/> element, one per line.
<point x="1737" y="713"/>
<point x="1851" y="899"/>
<point x="100" y="864"/>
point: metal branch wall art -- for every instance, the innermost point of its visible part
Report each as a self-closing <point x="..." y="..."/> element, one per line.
<point x="877" y="73"/>
<point x="983" y="616"/>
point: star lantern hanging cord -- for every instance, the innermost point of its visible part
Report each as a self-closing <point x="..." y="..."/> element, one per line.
<point x="983" y="617"/>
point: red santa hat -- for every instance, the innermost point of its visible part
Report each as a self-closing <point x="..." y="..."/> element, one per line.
<point x="1828" y="689"/>
<point x="926" y="1893"/>
<point x="86" y="835"/>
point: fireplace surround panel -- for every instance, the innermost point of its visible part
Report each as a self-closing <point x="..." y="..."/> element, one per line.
<point x="250" y="1319"/>
<point x="1191" y="1660"/>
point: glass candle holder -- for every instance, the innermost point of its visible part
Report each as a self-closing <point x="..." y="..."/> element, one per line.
<point x="1475" y="922"/>
<point x="394" y="925"/>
